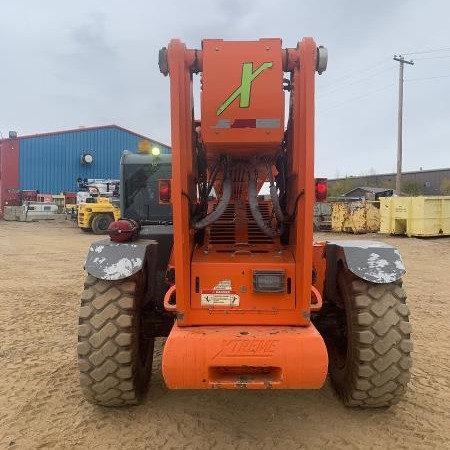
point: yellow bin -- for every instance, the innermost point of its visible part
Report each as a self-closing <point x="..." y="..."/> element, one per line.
<point x="415" y="216"/>
<point x="355" y="217"/>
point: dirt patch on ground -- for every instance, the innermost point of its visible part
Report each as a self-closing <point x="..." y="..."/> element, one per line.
<point x="41" y="276"/>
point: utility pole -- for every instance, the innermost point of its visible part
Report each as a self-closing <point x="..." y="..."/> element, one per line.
<point x="398" y="178"/>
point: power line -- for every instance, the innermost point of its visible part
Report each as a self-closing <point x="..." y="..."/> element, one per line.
<point x="352" y="83"/>
<point x="428" y="78"/>
<point x="445" y="49"/>
<point x="433" y="57"/>
<point x="355" y="99"/>
<point x="353" y="74"/>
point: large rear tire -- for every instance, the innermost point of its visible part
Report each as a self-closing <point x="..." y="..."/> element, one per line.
<point x="370" y="353"/>
<point x="114" y="358"/>
<point x="101" y="222"/>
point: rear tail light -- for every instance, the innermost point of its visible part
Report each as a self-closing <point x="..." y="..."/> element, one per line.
<point x="321" y="189"/>
<point x="165" y="191"/>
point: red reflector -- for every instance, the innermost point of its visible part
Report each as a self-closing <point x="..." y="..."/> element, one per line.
<point x="123" y="230"/>
<point x="165" y="191"/>
<point x="244" y="123"/>
<point x="321" y="189"/>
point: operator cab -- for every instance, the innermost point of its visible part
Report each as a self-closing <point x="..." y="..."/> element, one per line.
<point x="145" y="190"/>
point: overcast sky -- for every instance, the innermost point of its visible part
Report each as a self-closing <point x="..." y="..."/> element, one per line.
<point x="66" y="64"/>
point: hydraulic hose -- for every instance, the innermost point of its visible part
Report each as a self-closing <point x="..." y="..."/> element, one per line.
<point x="214" y="173"/>
<point x="276" y="203"/>
<point x="256" y="213"/>
<point x="274" y="196"/>
<point x="221" y="207"/>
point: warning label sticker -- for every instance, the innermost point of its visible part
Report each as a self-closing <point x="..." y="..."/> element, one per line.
<point x="223" y="285"/>
<point x="219" y="297"/>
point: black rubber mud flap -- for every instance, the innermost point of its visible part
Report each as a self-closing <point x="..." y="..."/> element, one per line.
<point x="108" y="260"/>
<point x="371" y="261"/>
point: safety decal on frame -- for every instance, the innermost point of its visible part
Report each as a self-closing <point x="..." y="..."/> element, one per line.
<point x="221" y="295"/>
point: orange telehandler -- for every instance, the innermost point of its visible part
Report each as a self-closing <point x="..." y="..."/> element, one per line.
<point x="245" y="297"/>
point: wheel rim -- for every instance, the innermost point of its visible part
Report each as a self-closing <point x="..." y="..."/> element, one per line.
<point x="144" y="346"/>
<point x="103" y="223"/>
<point x="341" y="338"/>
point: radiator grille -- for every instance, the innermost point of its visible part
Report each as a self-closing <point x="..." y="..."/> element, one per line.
<point x="254" y="234"/>
<point x="224" y="231"/>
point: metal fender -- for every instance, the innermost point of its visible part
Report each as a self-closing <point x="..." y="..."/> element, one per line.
<point x="372" y="261"/>
<point x="114" y="261"/>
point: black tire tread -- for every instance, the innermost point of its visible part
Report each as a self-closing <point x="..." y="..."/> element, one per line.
<point x="106" y="347"/>
<point x="381" y="342"/>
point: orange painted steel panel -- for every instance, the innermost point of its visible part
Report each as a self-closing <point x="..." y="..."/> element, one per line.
<point x="182" y="169"/>
<point x="242" y="96"/>
<point x="301" y="187"/>
<point x="182" y="62"/>
<point x="244" y="357"/>
<point x="267" y="340"/>
<point x="229" y="274"/>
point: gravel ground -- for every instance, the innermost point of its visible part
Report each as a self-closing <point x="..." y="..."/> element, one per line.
<point x="41" y="276"/>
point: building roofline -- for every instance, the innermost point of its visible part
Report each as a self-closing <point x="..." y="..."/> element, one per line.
<point x="386" y="174"/>
<point x="52" y="133"/>
<point x="374" y="190"/>
<point x="367" y="190"/>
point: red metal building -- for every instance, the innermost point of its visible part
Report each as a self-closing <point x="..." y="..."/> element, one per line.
<point x="9" y="171"/>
